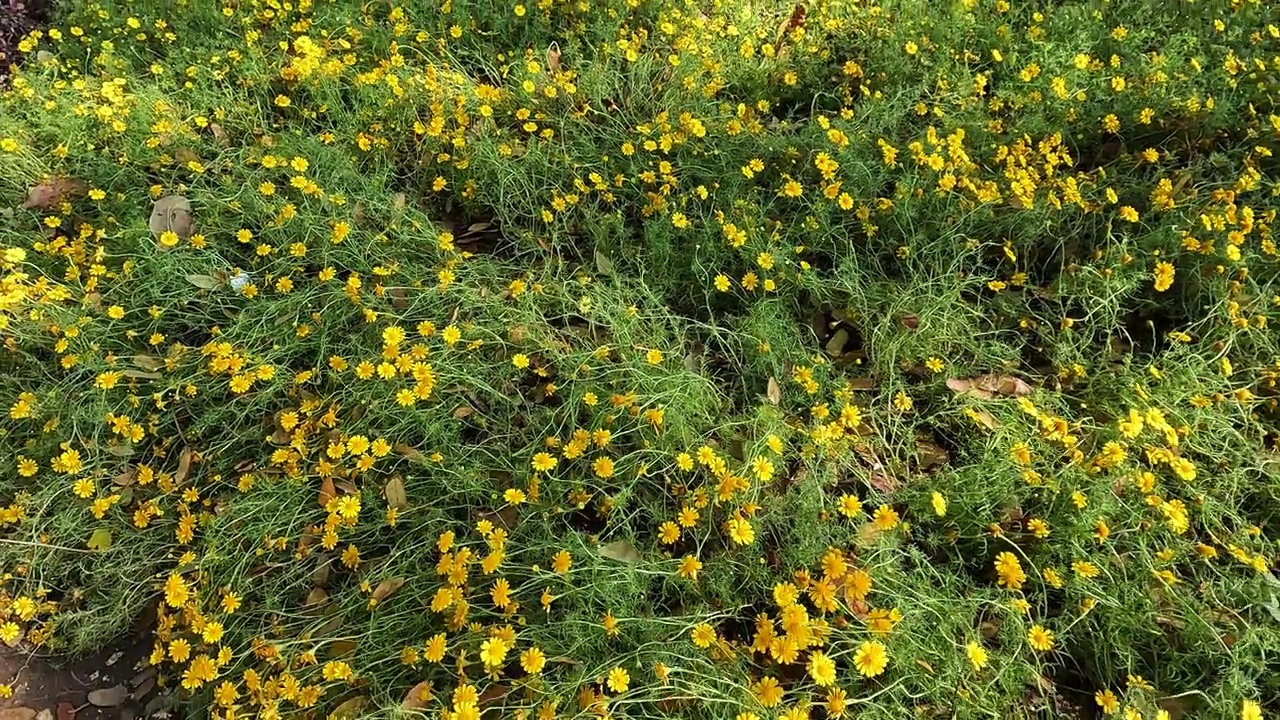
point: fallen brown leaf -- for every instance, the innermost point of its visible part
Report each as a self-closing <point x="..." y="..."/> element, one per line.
<point x="350" y="709"/>
<point x="418" y="696"/>
<point x="395" y="493"/>
<point x="327" y="492"/>
<point x="492" y="694"/>
<point x="53" y="192"/>
<point x="126" y="477"/>
<point x="184" y="466"/>
<point x="988" y="387"/>
<point x="983" y="418"/>
<point x="171" y="212"/>
<point x="835" y="346"/>
<point x="386" y="587"/>
<point x="410" y="453"/>
<point x="774" y="391"/>
<point x="399" y="298"/>
<point x="929" y="454"/>
<point x="622" y="551"/>
<point x="108" y="697"/>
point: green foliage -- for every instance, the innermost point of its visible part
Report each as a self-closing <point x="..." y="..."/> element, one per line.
<point x="683" y="347"/>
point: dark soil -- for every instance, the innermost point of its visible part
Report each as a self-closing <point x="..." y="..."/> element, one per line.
<point x="52" y="688"/>
<point x="17" y="18"/>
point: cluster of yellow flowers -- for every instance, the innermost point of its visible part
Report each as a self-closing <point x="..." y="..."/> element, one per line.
<point x="483" y="376"/>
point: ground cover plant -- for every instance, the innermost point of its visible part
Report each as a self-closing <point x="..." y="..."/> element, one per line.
<point x="637" y="358"/>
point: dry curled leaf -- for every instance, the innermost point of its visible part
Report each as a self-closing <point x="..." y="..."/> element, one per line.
<point x="184" y="466"/>
<point x="983" y="418"/>
<point x="622" y="551"/>
<point x="53" y="192"/>
<point x="793" y="21"/>
<point x="108" y="697"/>
<point x="327" y="492"/>
<point x="171" y="213"/>
<point x="835" y="346"/>
<point x="126" y="477"/>
<point x="350" y="709"/>
<point x="386" y="587"/>
<point x="399" y="298"/>
<point x="774" y="391"/>
<point x="142" y="375"/>
<point x="395" y="493"/>
<point x="929" y="454"/>
<point x="991" y="386"/>
<point x="204" y="282"/>
<point x="410" y="453"/>
<point x="315" y="597"/>
<point x="553" y="58"/>
<point x="100" y="540"/>
<point x="493" y="693"/>
<point x="338" y="648"/>
<point x="418" y="697"/>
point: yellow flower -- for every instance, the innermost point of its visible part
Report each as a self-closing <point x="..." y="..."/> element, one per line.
<point x="543" y="462"/>
<point x="871" y="659"/>
<point x="822" y="669"/>
<point x="768" y="691"/>
<point x="619" y="680"/>
<point x="1009" y="571"/>
<point x="885" y="518"/>
<point x="175" y="591"/>
<point x="740" y="531"/>
<point x="1107" y="701"/>
<point x="977" y="655"/>
<point x="560" y="562"/>
<point x="850" y="505"/>
<point x="703" y="635"/>
<point x="1039" y="638"/>
<point x="603" y="467"/>
<point x="939" y="504"/>
<point x="689" y="567"/>
<point x="435" y="648"/>
<point x="492" y="652"/>
<point x="533" y="660"/>
<point x="179" y="650"/>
